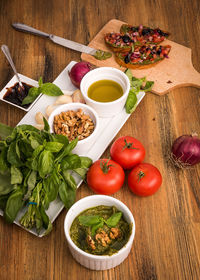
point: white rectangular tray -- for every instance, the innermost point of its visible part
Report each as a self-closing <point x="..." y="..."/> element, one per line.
<point x="109" y="127"/>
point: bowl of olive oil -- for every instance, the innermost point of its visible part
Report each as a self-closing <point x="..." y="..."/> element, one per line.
<point x="105" y="89"/>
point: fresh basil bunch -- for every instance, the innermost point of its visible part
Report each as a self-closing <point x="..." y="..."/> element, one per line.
<point x="36" y="168"/>
<point x="137" y="85"/>
<point x="45" y="88"/>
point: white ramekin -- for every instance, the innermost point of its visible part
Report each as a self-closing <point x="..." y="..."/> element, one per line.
<point x="90" y="261"/>
<point x="106" y="109"/>
<point x="82" y="145"/>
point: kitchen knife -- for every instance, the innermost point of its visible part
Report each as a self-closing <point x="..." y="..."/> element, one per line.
<point x="59" y="40"/>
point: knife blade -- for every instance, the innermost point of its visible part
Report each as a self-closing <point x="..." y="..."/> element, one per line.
<point x="56" y="39"/>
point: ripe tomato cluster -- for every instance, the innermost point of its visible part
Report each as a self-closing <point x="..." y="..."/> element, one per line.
<point x="106" y="176"/>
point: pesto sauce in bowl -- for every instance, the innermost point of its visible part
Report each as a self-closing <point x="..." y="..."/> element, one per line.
<point x="103" y="236"/>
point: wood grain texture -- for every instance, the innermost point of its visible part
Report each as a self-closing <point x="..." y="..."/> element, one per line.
<point x="167" y="240"/>
<point x="175" y="72"/>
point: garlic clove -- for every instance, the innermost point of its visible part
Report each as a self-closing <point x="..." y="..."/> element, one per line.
<point x="39" y="118"/>
<point x="77" y="96"/>
<point x="49" y="109"/>
<point x="63" y="99"/>
<point x="67" y="92"/>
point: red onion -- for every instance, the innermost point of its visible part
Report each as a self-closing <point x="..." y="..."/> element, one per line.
<point x="78" y="71"/>
<point x="186" y="150"/>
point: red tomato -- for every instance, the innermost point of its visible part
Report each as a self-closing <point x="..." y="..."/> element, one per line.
<point x="144" y="179"/>
<point x="127" y="151"/>
<point x="105" y="176"/>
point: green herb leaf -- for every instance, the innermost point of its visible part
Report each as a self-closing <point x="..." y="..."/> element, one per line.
<point x="69" y="180"/>
<point x="67" y="194"/>
<point x="53" y="147"/>
<point x="16" y="175"/>
<point x="5" y="184"/>
<point x="5" y="130"/>
<point x="89" y="220"/>
<point x="114" y="219"/>
<point x="51" y="89"/>
<point x="32" y="95"/>
<point x="97" y="226"/>
<point x="45" y="163"/>
<point x="148" y="86"/>
<point x="40" y="82"/>
<point x="131" y="102"/>
<point x="13" y="205"/>
<point x="46" y="125"/>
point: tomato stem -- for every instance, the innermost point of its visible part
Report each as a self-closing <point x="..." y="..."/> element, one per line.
<point x="140" y="175"/>
<point x="129" y="145"/>
<point x="105" y="166"/>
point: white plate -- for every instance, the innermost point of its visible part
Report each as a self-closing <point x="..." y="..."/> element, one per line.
<point x="109" y="127"/>
<point x="11" y="83"/>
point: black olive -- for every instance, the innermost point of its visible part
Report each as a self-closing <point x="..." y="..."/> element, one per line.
<point x="126" y="38"/>
<point x="158" y="51"/>
<point x="127" y="59"/>
<point x="146" y="31"/>
<point x="160" y="32"/>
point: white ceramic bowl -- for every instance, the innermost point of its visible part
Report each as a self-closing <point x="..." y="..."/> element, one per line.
<point x="11" y="83"/>
<point x="82" y="145"/>
<point x="93" y="261"/>
<point x="106" y="109"/>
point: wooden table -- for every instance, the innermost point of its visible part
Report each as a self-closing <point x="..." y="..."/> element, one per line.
<point x="167" y="240"/>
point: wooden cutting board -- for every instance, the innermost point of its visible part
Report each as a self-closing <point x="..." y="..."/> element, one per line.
<point x="176" y="71"/>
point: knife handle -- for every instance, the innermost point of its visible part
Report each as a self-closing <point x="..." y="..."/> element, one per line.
<point x="29" y="29"/>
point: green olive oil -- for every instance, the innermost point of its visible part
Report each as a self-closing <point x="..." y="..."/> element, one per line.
<point x="105" y="91"/>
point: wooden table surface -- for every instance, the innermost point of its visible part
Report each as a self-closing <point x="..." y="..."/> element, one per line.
<point x="167" y="240"/>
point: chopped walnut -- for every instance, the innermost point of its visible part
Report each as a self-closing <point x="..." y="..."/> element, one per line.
<point x="115" y="233"/>
<point x="73" y="124"/>
<point x="102" y="237"/>
<point x="90" y="242"/>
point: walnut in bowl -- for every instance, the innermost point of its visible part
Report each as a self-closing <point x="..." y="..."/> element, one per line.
<point x="75" y="120"/>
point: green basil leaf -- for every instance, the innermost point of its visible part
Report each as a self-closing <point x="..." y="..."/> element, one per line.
<point x="44" y="217"/>
<point x="3" y="161"/>
<point x="53" y="147"/>
<point x="12" y="155"/>
<point x="61" y="139"/>
<point x="32" y="95"/>
<point x="16" y="175"/>
<point x="5" y="184"/>
<point x="13" y="205"/>
<point x="45" y="163"/>
<point x="81" y="172"/>
<point x="114" y="219"/>
<point x="85" y="162"/>
<point x="69" y="180"/>
<point x="148" y="86"/>
<point x="5" y="130"/>
<point x="72" y="161"/>
<point x="46" y="125"/>
<point x="131" y="102"/>
<point x="97" y="226"/>
<point x="31" y="182"/>
<point x="89" y="220"/>
<point x="40" y="82"/>
<point x="67" y="150"/>
<point x="67" y="194"/>
<point x="51" y="89"/>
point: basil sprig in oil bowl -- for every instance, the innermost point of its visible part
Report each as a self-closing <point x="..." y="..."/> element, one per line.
<point x="106" y="225"/>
